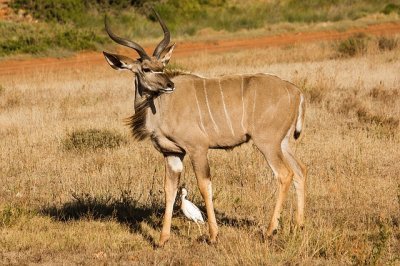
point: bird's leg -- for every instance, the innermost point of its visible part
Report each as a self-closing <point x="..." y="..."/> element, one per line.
<point x="188" y="232"/>
<point x="173" y="169"/>
<point x="199" y="228"/>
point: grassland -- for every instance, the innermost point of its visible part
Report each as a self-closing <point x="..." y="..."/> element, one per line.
<point x="65" y="26"/>
<point x="103" y="205"/>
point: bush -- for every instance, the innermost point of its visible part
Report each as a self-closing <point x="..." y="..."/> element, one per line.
<point x="93" y="139"/>
<point x="63" y="11"/>
<point x="36" y="39"/>
<point x="353" y="46"/>
<point x="391" y="8"/>
<point x="50" y="10"/>
<point x="76" y="40"/>
<point x="385" y="43"/>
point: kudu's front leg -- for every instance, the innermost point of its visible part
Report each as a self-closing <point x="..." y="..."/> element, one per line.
<point x="202" y="171"/>
<point x="173" y="169"/>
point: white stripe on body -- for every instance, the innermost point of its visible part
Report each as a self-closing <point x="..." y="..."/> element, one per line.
<point x="198" y="109"/>
<point x="290" y="100"/>
<point x="208" y="106"/>
<point x="226" y="112"/>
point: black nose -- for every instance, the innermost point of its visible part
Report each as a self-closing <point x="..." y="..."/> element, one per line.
<point x="170" y="85"/>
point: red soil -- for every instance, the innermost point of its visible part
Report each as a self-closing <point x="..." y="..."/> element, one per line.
<point x="90" y="59"/>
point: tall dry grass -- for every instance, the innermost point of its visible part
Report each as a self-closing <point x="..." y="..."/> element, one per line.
<point x="104" y="205"/>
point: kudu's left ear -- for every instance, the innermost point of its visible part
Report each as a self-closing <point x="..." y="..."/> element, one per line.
<point x="165" y="59"/>
<point x="119" y="62"/>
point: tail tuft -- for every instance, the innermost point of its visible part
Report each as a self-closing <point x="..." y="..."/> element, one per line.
<point x="296" y="134"/>
<point x="300" y="118"/>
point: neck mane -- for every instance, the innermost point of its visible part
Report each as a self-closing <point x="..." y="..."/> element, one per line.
<point x="137" y="122"/>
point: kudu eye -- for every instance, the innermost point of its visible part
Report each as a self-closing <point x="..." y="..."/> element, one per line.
<point x="146" y="70"/>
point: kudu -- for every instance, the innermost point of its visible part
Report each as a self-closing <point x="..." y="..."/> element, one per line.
<point x="213" y="113"/>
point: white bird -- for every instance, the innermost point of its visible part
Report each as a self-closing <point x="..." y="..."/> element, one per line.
<point x="190" y="210"/>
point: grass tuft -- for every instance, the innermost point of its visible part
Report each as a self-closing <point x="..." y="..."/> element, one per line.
<point x="9" y="215"/>
<point x="370" y="109"/>
<point x="366" y="115"/>
<point x="315" y="93"/>
<point x="387" y="44"/>
<point x="353" y="46"/>
<point x="90" y="139"/>
<point x="378" y="244"/>
<point x="384" y="95"/>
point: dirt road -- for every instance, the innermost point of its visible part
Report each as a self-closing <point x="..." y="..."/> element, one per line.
<point x="89" y="59"/>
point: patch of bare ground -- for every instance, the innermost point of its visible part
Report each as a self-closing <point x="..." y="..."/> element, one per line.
<point x="186" y="48"/>
<point x="104" y="205"/>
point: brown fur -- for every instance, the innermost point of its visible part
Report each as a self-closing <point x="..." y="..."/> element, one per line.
<point x="208" y="113"/>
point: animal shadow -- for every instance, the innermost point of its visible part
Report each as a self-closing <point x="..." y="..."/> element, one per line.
<point x="227" y="220"/>
<point x="128" y="211"/>
<point x="123" y="210"/>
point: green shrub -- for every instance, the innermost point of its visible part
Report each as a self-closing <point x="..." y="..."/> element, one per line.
<point x="93" y="139"/>
<point x="385" y="43"/>
<point x="63" y="11"/>
<point x="352" y="46"/>
<point x="50" y="10"/>
<point x="76" y="40"/>
<point x="17" y="38"/>
<point x="391" y="8"/>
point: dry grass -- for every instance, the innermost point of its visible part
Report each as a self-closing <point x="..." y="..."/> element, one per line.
<point x="104" y="206"/>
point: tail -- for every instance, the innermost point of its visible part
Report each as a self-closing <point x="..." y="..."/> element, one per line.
<point x="300" y="118"/>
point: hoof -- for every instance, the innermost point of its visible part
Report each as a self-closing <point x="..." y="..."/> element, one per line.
<point x="266" y="236"/>
<point x="202" y="239"/>
<point x="208" y="240"/>
<point x="163" y="239"/>
<point x="271" y="232"/>
<point x="213" y="240"/>
<point x="274" y="232"/>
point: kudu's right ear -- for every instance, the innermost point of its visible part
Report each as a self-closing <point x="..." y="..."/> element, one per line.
<point x="119" y="62"/>
<point x="165" y="59"/>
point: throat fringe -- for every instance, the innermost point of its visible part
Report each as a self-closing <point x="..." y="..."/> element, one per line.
<point x="137" y="122"/>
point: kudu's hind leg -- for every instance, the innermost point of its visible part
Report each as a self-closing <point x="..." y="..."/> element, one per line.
<point x="202" y="171"/>
<point x="284" y="175"/>
<point x="300" y="174"/>
<point x="173" y="169"/>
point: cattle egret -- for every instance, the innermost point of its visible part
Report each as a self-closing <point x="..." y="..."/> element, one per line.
<point x="190" y="210"/>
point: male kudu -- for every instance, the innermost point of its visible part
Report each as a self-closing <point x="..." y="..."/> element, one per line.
<point x="216" y="113"/>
